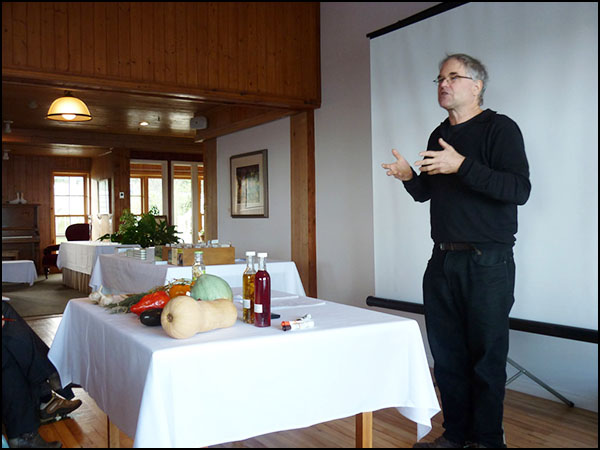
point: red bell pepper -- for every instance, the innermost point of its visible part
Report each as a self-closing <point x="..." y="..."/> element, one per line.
<point x="155" y="300"/>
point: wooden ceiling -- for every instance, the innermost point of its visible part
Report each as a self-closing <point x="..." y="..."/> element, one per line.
<point x="116" y="121"/>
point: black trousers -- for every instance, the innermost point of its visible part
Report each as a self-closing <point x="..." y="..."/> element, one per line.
<point x="25" y="369"/>
<point x="468" y="296"/>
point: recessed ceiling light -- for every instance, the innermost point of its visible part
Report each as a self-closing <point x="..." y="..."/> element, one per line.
<point x="144" y="123"/>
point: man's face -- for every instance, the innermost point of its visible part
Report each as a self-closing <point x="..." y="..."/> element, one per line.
<point x="457" y="93"/>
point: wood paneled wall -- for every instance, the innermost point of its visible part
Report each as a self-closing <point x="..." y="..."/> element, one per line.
<point x="32" y="175"/>
<point x="263" y="51"/>
<point x="302" y="182"/>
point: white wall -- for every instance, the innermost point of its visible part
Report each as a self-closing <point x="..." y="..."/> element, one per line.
<point x="344" y="202"/>
<point x="270" y="234"/>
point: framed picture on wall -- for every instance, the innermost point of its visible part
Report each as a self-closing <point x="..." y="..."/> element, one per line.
<point x="249" y="184"/>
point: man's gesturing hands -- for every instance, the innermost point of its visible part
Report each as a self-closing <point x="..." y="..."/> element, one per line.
<point x="434" y="162"/>
<point x="400" y="168"/>
<point x="445" y="161"/>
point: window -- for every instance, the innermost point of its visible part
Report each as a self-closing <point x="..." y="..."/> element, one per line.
<point x="145" y="188"/>
<point x="188" y="200"/>
<point x="103" y="197"/>
<point x="70" y="203"/>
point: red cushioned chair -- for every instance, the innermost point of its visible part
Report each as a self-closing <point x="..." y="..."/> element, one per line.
<point x="74" y="232"/>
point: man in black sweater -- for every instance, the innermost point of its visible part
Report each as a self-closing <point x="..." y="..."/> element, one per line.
<point x="474" y="173"/>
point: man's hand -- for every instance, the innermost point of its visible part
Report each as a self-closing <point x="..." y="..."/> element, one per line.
<point x="400" y="168"/>
<point x="445" y="161"/>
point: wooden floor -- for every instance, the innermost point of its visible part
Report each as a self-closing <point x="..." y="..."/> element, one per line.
<point x="529" y="422"/>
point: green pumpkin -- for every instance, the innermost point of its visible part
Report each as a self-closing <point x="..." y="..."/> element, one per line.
<point x="210" y="287"/>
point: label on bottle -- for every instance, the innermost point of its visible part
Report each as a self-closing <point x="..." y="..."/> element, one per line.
<point x="258" y="308"/>
<point x="247" y="303"/>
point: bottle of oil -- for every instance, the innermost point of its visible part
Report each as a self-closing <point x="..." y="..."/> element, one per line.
<point x="262" y="293"/>
<point x="198" y="268"/>
<point x="248" y="288"/>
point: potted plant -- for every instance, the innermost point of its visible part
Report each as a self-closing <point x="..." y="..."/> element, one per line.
<point x="147" y="231"/>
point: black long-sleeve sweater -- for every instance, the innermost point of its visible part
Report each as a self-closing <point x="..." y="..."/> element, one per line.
<point x="479" y="203"/>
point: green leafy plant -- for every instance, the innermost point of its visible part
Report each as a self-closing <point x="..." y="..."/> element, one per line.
<point x="146" y="231"/>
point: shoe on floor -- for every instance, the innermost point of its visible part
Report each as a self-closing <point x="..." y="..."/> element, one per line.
<point x="58" y="406"/>
<point x="440" y="442"/>
<point x="32" y="440"/>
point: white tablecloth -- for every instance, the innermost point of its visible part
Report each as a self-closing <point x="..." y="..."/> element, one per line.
<point x="118" y="274"/>
<point x="19" y="271"/>
<point x="235" y="383"/>
<point x="80" y="256"/>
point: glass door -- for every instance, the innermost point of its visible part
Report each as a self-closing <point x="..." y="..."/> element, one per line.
<point x="188" y="200"/>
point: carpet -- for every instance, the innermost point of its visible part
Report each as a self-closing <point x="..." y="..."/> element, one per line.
<point x="46" y="297"/>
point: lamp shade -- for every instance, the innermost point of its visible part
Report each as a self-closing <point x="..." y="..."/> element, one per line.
<point x="68" y="109"/>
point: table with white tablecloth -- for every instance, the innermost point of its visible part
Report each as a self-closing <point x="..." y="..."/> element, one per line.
<point x="77" y="260"/>
<point x="19" y="271"/>
<point x="119" y="274"/>
<point x="235" y="383"/>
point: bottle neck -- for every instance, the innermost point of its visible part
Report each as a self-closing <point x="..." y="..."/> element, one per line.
<point x="262" y="264"/>
<point x="249" y="262"/>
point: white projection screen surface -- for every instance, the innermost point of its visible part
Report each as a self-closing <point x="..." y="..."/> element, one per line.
<point x="542" y="60"/>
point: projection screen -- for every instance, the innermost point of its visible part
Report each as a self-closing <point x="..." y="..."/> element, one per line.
<point x="542" y="60"/>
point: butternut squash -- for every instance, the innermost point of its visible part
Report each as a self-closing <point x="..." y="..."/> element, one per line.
<point x="183" y="316"/>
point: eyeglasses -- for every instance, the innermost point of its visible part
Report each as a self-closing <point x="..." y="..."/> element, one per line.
<point x="451" y="79"/>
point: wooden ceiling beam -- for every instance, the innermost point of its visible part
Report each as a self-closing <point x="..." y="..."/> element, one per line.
<point x="226" y="120"/>
<point x="108" y="140"/>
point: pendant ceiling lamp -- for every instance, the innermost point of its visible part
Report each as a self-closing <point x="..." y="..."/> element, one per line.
<point x="68" y="109"/>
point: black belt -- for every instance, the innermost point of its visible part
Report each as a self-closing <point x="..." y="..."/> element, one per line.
<point x="456" y="246"/>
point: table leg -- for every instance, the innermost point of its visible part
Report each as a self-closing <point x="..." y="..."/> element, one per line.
<point x="112" y="432"/>
<point x="364" y="430"/>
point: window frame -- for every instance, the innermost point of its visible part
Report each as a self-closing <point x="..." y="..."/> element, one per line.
<point x="86" y="200"/>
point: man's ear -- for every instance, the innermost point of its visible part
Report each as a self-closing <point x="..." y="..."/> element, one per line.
<point x="477" y="87"/>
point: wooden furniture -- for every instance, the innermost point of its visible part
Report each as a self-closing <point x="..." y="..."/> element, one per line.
<point x="211" y="255"/>
<point x="8" y="255"/>
<point x="20" y="231"/>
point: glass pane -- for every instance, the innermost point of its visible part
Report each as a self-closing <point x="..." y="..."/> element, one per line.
<point x="77" y="219"/>
<point x="76" y="205"/>
<point x="182" y="196"/>
<point x="60" y="239"/>
<point x="135" y="204"/>
<point x="76" y="186"/>
<point x="135" y="186"/>
<point x="60" y="225"/>
<point x="61" y="205"/>
<point x="61" y="185"/>
<point x="103" y="200"/>
<point x="155" y="194"/>
<point x="201" y="190"/>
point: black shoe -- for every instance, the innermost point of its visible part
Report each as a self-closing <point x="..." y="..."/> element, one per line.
<point x="56" y="407"/>
<point x="440" y="442"/>
<point x="32" y="440"/>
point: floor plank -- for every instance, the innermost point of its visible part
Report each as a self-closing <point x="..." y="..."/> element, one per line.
<point x="529" y="422"/>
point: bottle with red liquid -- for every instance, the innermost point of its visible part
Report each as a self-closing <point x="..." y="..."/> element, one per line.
<point x="262" y="293"/>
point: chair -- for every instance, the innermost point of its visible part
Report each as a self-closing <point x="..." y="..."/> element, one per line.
<point x="74" y="232"/>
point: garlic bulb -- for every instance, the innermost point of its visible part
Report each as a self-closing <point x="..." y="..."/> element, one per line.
<point x="106" y="300"/>
<point x="96" y="295"/>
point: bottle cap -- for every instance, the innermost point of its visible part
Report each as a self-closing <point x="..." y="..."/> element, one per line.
<point x="262" y="255"/>
<point x="250" y="253"/>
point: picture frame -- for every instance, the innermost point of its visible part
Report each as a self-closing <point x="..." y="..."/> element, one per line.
<point x="249" y="184"/>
